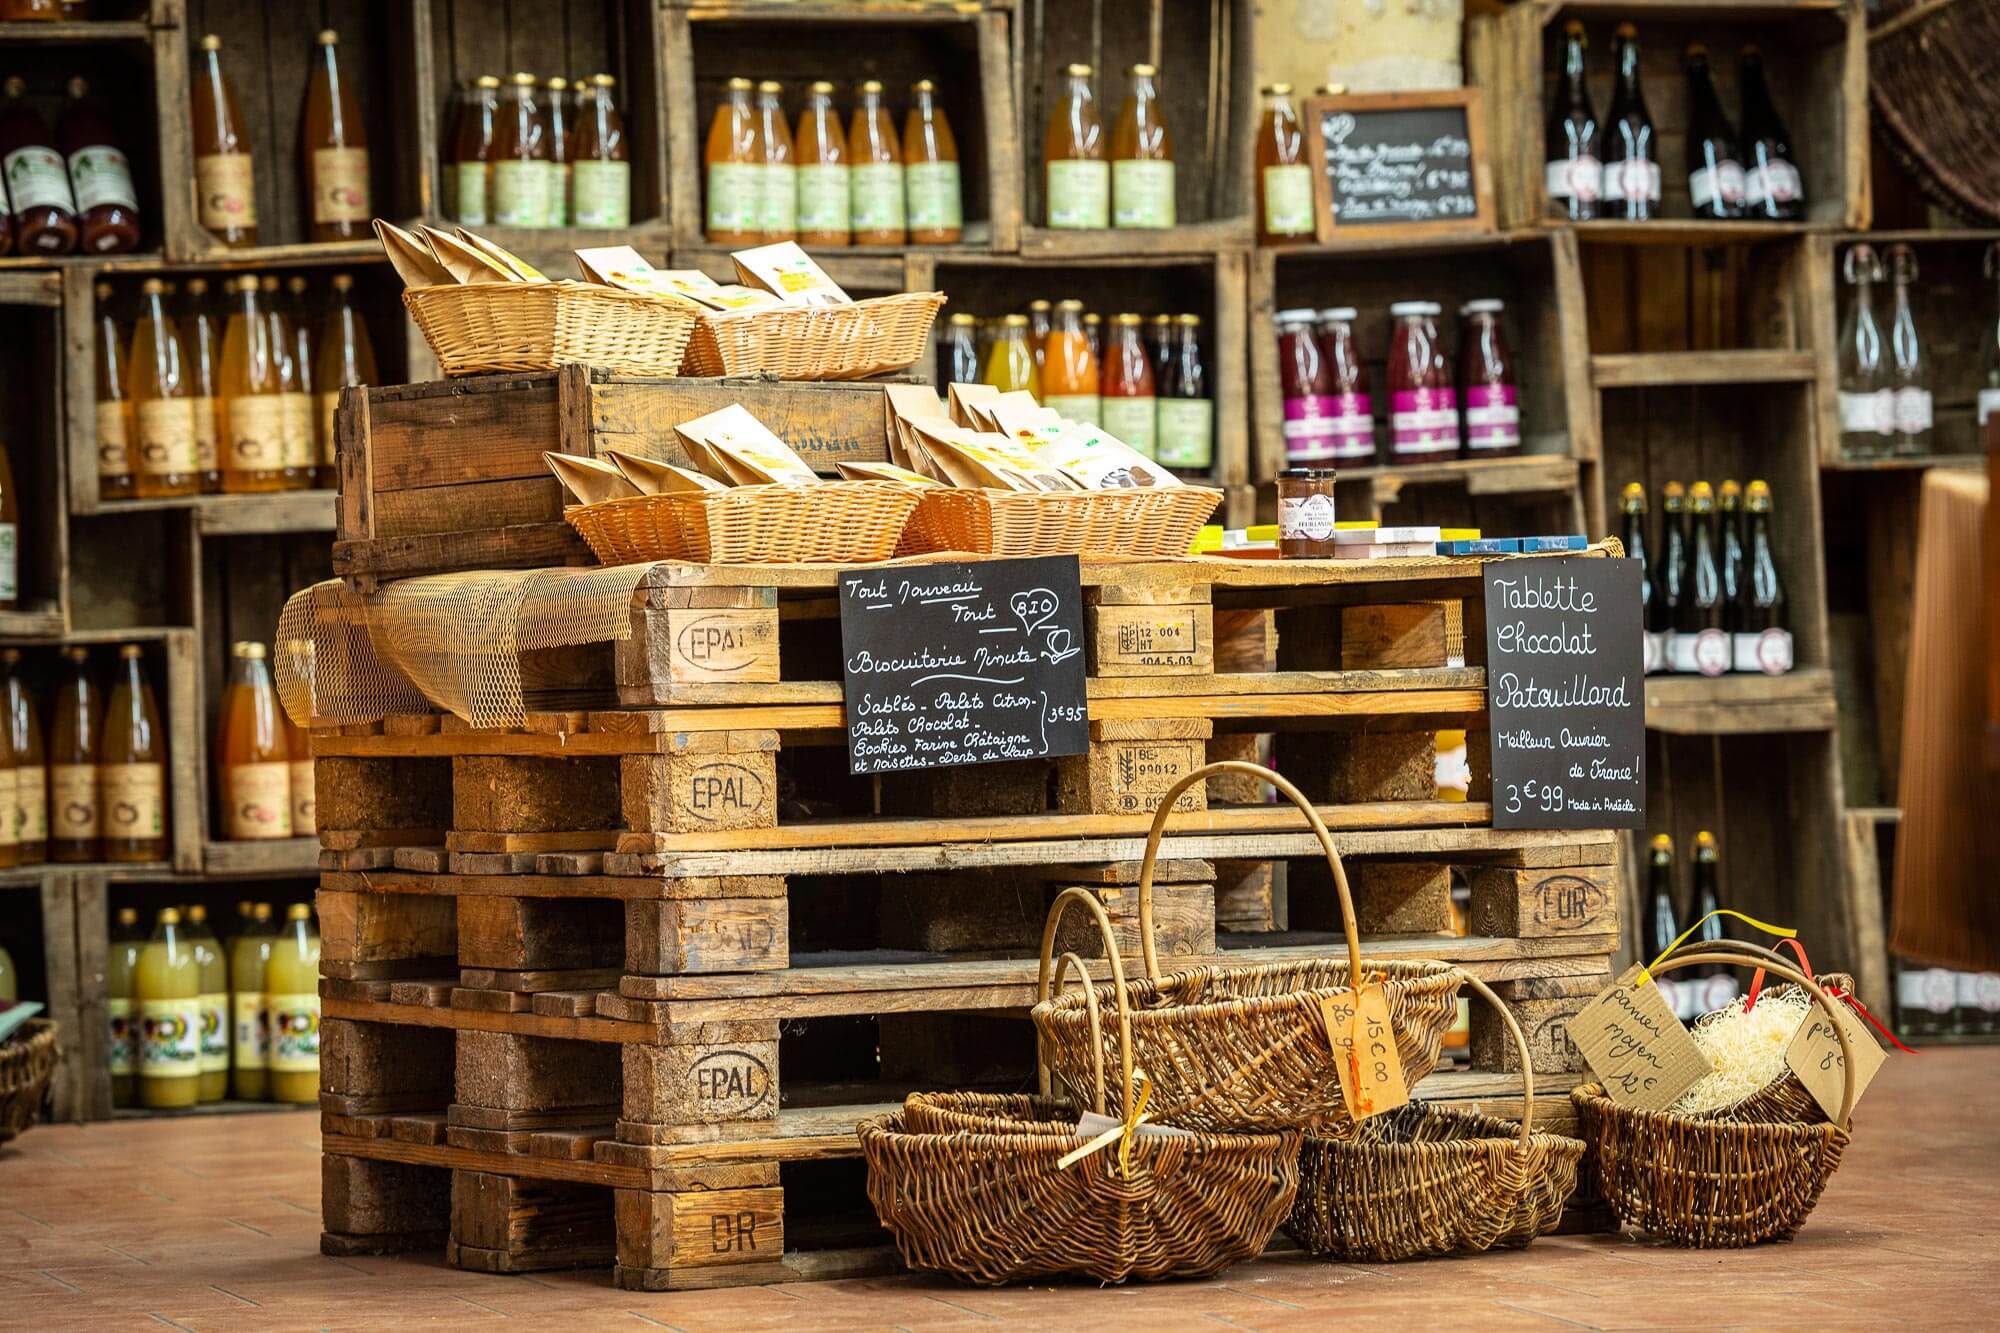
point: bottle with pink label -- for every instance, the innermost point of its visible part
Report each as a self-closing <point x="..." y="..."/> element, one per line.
<point x="1486" y="376"/>
<point x="1305" y="383"/>
<point x="1423" y="409"/>
<point x="1353" y="419"/>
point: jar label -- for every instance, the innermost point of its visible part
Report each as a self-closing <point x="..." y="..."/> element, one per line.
<point x="169" y="1038"/>
<point x="305" y="815"/>
<point x="732" y="196"/>
<point x="1308" y="428"/>
<point x="823" y="196"/>
<point x="73" y="802"/>
<point x="470" y="182"/>
<point x="1578" y="177"/>
<point x="228" y="191"/>
<point x="100" y="174"/>
<point x="214" y="1033"/>
<point x="1492" y="418"/>
<point x="1768" y="651"/>
<point x="1079" y="194"/>
<point x="329" y="411"/>
<point x="602" y="193"/>
<point x="134" y="800"/>
<point x="1721" y="183"/>
<point x="935" y="200"/>
<point x="1912" y="411"/>
<point x="10" y="560"/>
<point x="1142" y="193"/>
<point x="1423" y="421"/>
<point x="1134" y="421"/>
<point x="114" y="453"/>
<point x="294" y="1033"/>
<point x="260" y="800"/>
<point x="1776" y="181"/>
<point x="1707" y="652"/>
<point x="1633" y="180"/>
<point x="876" y="196"/>
<point x="1186" y="433"/>
<point x="1868" y="413"/>
<point x="340" y="185"/>
<point x="295" y="426"/>
<point x="31" y="803"/>
<point x="1288" y="200"/>
<point x="252" y="1031"/>
<point x="256" y="433"/>
<point x="206" y="456"/>
<point x="38" y="178"/>
<point x="1075" y="406"/>
<point x="122" y="1029"/>
<point x="520" y="194"/>
<point x="166" y="437"/>
<point x="1305" y="518"/>
<point x="777" y="197"/>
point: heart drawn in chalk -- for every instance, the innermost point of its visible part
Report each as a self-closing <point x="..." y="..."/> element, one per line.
<point x="1034" y="606"/>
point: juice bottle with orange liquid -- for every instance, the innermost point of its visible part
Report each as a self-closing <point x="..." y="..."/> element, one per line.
<point x="778" y="192"/>
<point x="252" y="759"/>
<point x="114" y="410"/>
<point x="167" y="457"/>
<point x="1142" y="156"/>
<point x="74" y="818"/>
<point x="824" y="172"/>
<point x="601" y="165"/>
<point x="31" y="774"/>
<point x="876" y="206"/>
<point x="201" y="352"/>
<point x="333" y="149"/>
<point x="249" y="384"/>
<point x="734" y="161"/>
<point x="131" y="767"/>
<point x="936" y="212"/>
<point x="1069" y="367"/>
<point x="224" y="175"/>
<point x="346" y="358"/>
<point x="1077" y="177"/>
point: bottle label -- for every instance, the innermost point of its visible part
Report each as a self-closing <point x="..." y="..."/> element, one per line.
<point x="10" y="827"/>
<point x="1288" y="200"/>
<point x="1912" y="411"/>
<point x="1989" y="403"/>
<point x="1074" y="406"/>
<point x="1705" y="653"/>
<point x="470" y="182"/>
<point x="520" y="194"/>
<point x="295" y="426"/>
<point x="1776" y="181"/>
<point x="1133" y="421"/>
<point x="732" y="196"/>
<point x="169" y="1038"/>
<point x="260" y="801"/>
<point x="1768" y="651"/>
<point x="114" y="452"/>
<point x="134" y="800"/>
<point x="1305" y="518"/>
<point x="251" y="1034"/>
<point x="1575" y="178"/>
<point x="228" y="191"/>
<point x="38" y="178"/>
<point x="1142" y="194"/>
<point x="560" y="176"/>
<point x="214" y="1033"/>
<point x="1492" y="418"/>
<point x="875" y="201"/>
<point x="1722" y="183"/>
<point x="166" y="437"/>
<point x="1632" y="180"/>
<point x="10" y="561"/>
<point x="294" y="1033"/>
<point x="1719" y="992"/>
<point x="934" y="197"/>
<point x="602" y="193"/>
<point x="1308" y="428"/>
<point x="121" y="1020"/>
<point x="1423" y="421"/>
<point x="31" y="803"/>
<point x="1653" y="646"/>
<point x="206" y="456"/>
<point x="1186" y="433"/>
<point x="73" y="802"/>
<point x="1986" y="991"/>
<point x="1868" y="413"/>
<point x="1940" y="991"/>
<point x="823" y="196"/>
<point x="777" y="197"/>
<point x="1670" y="994"/>
<point x="1910" y="988"/>
<point x="100" y="174"/>
<point x="1079" y="194"/>
<point x="256" y="433"/>
<point x="329" y="411"/>
<point x="340" y="185"/>
<point x="305" y="812"/>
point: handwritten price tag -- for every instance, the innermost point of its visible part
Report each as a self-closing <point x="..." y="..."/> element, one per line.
<point x="1634" y="1043"/>
<point x="1814" y="1056"/>
<point x="1364" y="1051"/>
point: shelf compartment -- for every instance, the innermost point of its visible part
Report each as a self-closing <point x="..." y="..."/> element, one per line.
<point x="1799" y="700"/>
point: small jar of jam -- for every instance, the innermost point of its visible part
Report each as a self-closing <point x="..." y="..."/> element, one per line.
<point x="1305" y="513"/>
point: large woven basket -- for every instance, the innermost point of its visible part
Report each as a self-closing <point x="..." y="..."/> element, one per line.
<point x="835" y="522"/>
<point x="973" y="1185"/>
<point x="1424" y="1180"/>
<point x="1247" y="1047"/>
<point x="481" y="327"/>
<point x="1155" y="523"/>
<point x="27" y="1062"/>
<point x="818" y="342"/>
<point x="1708" y="1183"/>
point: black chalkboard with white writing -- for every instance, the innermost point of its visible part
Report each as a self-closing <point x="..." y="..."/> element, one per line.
<point x="1565" y="693"/>
<point x="1395" y="161"/>
<point x="952" y="664"/>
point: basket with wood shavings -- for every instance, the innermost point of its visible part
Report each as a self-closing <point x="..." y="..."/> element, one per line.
<point x="1745" y="1043"/>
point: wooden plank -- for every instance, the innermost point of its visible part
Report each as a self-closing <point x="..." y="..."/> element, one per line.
<point x="700" y="888"/>
<point x="1800" y="700"/>
<point x="1734" y="366"/>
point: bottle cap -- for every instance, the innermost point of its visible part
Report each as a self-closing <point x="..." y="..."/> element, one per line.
<point x="246" y="283"/>
<point x="1300" y="316"/>
<point x="819" y="87"/>
<point x="739" y="85"/>
<point x="197" y="286"/>
<point x="197" y="913"/>
<point x="1279" y="89"/>
<point x="211" y="42"/>
<point x="1015" y="321"/>
<point x="603" y="81"/>
<point x="1143" y="71"/>
<point x="76" y="652"/>
<point x="923" y="86"/>
<point x="1079" y="71"/>
<point x="102" y="289"/>
<point x="556" y="83"/>
<point x="522" y="79"/>
<point x="298" y="912"/>
<point x="295" y="284"/>
<point x="1701" y="498"/>
<point x="10" y="656"/>
<point x="268" y="283"/>
<point x="1704" y="841"/>
<point x="1673" y="491"/>
<point x="1484" y="306"/>
<point x="128" y="916"/>
<point x="1039" y="303"/>
<point x="244" y="907"/>
<point x="153" y="286"/>
<point x="1663" y="843"/>
<point x="963" y="319"/>
<point x="1345" y="313"/>
<point x="1188" y="321"/>
<point x="1092" y="317"/>
<point x="169" y="916"/>
<point x="1573" y="28"/>
<point x="343" y="282"/>
<point x="1127" y="318"/>
<point x="246" y="648"/>
<point x="129" y="651"/>
<point x="1069" y="303"/>
<point x="328" y="37"/>
<point x="1696" y="51"/>
<point x="263" y="912"/>
<point x="487" y="81"/>
<point x="1730" y="492"/>
<point x="1625" y="32"/>
<point x="1635" y="492"/>
<point x="770" y="86"/>
<point x="1404" y="309"/>
<point x="870" y="85"/>
<point x="1757" y="497"/>
<point x="79" y="86"/>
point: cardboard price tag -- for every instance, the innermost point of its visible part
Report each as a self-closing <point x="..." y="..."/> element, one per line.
<point x="1636" y="1046"/>
<point x="1814" y="1056"/>
<point x="1364" y="1051"/>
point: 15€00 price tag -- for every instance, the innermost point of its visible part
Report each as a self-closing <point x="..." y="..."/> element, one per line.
<point x="1636" y="1045"/>
<point x="1814" y="1056"/>
<point x="1364" y="1051"/>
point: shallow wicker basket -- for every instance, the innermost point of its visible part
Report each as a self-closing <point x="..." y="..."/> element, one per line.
<point x="27" y="1062"/>
<point x="1708" y="1183"/>
<point x="480" y="327"/>
<point x="1156" y="523"/>
<point x="1424" y="1180"/>
<point x="1247" y="1047"/>
<point x="818" y="342"/>
<point x="844" y="522"/>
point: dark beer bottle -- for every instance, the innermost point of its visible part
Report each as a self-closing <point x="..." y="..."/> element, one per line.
<point x="1773" y="189"/>
<point x="1660" y="928"/>
<point x="1729" y="503"/>
<point x="1631" y="189"/>
<point x="1699" y="644"/>
<point x="1672" y="585"/>
<point x="1762" y="641"/>
<point x="1651" y="603"/>
<point x="1719" y="986"/>
<point x="1715" y="172"/>
<point x="1572" y="174"/>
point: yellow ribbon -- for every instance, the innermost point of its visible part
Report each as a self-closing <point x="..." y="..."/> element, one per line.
<point x="1122" y="1134"/>
<point x="1782" y="932"/>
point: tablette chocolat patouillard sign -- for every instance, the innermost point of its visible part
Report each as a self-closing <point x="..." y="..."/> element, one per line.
<point x="1566" y="703"/>
<point x="953" y="664"/>
<point x="1394" y="162"/>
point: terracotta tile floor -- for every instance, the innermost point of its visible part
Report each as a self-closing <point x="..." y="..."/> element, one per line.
<point x="213" y="1223"/>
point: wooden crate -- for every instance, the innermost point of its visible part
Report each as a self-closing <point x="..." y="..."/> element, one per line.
<point x="1815" y="57"/>
<point x="31" y="384"/>
<point x="38" y="907"/>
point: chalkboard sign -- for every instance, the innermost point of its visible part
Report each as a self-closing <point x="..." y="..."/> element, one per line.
<point x="963" y="663"/>
<point x="1565" y="693"/>
<point x="1397" y="163"/>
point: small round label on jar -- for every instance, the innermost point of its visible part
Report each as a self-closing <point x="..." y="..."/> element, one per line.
<point x="1305" y="518"/>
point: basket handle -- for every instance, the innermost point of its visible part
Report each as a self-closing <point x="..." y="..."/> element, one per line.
<point x="1042" y="985"/>
<point x="1777" y="967"/>
<point x="1291" y="793"/>
<point x="1063" y="965"/>
<point x="1521" y="1045"/>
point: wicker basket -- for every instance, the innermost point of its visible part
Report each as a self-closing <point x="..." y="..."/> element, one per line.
<point x="1708" y="1183"/>
<point x="479" y="327"/>
<point x="836" y="522"/>
<point x="27" y="1062"/>
<point x="1156" y="523"/>
<point x="1246" y="1047"/>
<point x="816" y="342"/>
<point x="1423" y="1180"/>
<point x="974" y="1185"/>
<point x="1785" y="1099"/>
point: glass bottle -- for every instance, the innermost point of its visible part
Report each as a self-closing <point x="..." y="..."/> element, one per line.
<point x="156" y="386"/>
<point x="1041" y="318"/>
<point x="224" y="173"/>
<point x="1719" y="986"/>
<point x="601" y="174"/>
<point x="1423" y="407"/>
<point x="825" y="187"/>
<point x="73" y="748"/>
<point x="10" y="533"/>
<point x="100" y="177"/>
<point x="1632" y="504"/>
<point x="1729" y="531"/>
<point x="958" y="351"/>
<point x="936" y="211"/>
<point x="1159" y="343"/>
<point x="168" y="984"/>
<point x="1486" y="378"/>
<point x="113" y="410"/>
<point x="1762" y="642"/>
<point x="1631" y="190"/>
<point x="733" y="158"/>
<point x="291" y="981"/>
<point x="250" y="384"/>
<point x="1867" y="402"/>
<point x="1351" y="418"/>
<point x="39" y="11"/>
<point x="1010" y="362"/>
<point x="10" y="774"/>
<point x="1093" y="332"/>
<point x="250" y="1029"/>
<point x="1673" y="585"/>
<point x="304" y="333"/>
<point x="31" y="774"/>
<point x="1078" y="178"/>
<point x="334" y="149"/>
<point x="212" y="968"/>
<point x="345" y="358"/>
<point x="121" y="1006"/>
<point x="44" y="210"/>
<point x="1773" y="189"/>
<point x="1714" y="166"/>
<point x="778" y="188"/>
<point x="131" y="767"/>
<point x="1660" y="926"/>
<point x="1284" y="179"/>
<point x="556" y="132"/>
<point x="472" y="153"/>
<point x="1142" y="156"/>
<point x="1989" y="387"/>
<point x="252" y="761"/>
<point x="1130" y="410"/>
<point x="1571" y="173"/>
<point x="1185" y="438"/>
<point x="522" y="165"/>
<point x="301" y="777"/>
<point x="1306" y="389"/>
<point x="1699" y="645"/>
<point x="295" y="404"/>
<point x="1069" y="370"/>
<point x="1911" y="368"/>
<point x="876" y="205"/>
<point x="6" y="230"/>
<point x="201" y="355"/>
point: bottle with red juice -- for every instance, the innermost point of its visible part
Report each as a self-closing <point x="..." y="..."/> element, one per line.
<point x="100" y="176"/>
<point x="1423" y="408"/>
<point x="37" y="178"/>
<point x="1353" y="418"/>
<point x="1486" y="378"/>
